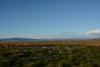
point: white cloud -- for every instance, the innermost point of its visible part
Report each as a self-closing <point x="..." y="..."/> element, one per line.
<point x="25" y="14"/>
<point x="93" y="32"/>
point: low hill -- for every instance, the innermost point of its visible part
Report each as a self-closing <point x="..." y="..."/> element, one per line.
<point x="18" y="39"/>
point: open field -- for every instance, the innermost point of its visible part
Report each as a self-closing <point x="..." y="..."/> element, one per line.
<point x="94" y="42"/>
<point x="72" y="53"/>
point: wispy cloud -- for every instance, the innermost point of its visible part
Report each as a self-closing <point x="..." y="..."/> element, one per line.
<point x="73" y="35"/>
<point x="68" y="35"/>
<point x="25" y="14"/>
<point x="65" y="35"/>
<point x="50" y="37"/>
<point x="15" y="37"/>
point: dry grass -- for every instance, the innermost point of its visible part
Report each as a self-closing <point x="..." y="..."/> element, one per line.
<point x="94" y="42"/>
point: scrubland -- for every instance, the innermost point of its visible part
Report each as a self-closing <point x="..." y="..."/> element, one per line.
<point x="58" y="53"/>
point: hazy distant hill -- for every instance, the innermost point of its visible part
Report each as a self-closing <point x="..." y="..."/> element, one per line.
<point x="29" y="39"/>
<point x="18" y="39"/>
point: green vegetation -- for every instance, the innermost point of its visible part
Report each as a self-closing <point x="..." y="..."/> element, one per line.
<point x="49" y="54"/>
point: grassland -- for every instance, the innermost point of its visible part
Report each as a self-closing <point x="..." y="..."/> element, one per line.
<point x="72" y="53"/>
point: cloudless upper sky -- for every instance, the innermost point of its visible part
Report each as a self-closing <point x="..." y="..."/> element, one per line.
<point x="48" y="18"/>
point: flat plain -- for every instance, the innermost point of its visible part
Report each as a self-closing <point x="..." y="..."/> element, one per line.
<point x="55" y="53"/>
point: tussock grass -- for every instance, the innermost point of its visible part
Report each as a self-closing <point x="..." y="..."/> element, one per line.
<point x="80" y="53"/>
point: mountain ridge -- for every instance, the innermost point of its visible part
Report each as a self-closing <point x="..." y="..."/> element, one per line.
<point x="18" y="39"/>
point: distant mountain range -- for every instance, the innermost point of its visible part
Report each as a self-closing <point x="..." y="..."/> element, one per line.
<point x="18" y="39"/>
<point x="29" y="39"/>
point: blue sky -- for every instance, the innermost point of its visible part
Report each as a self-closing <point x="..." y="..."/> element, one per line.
<point x="50" y="18"/>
